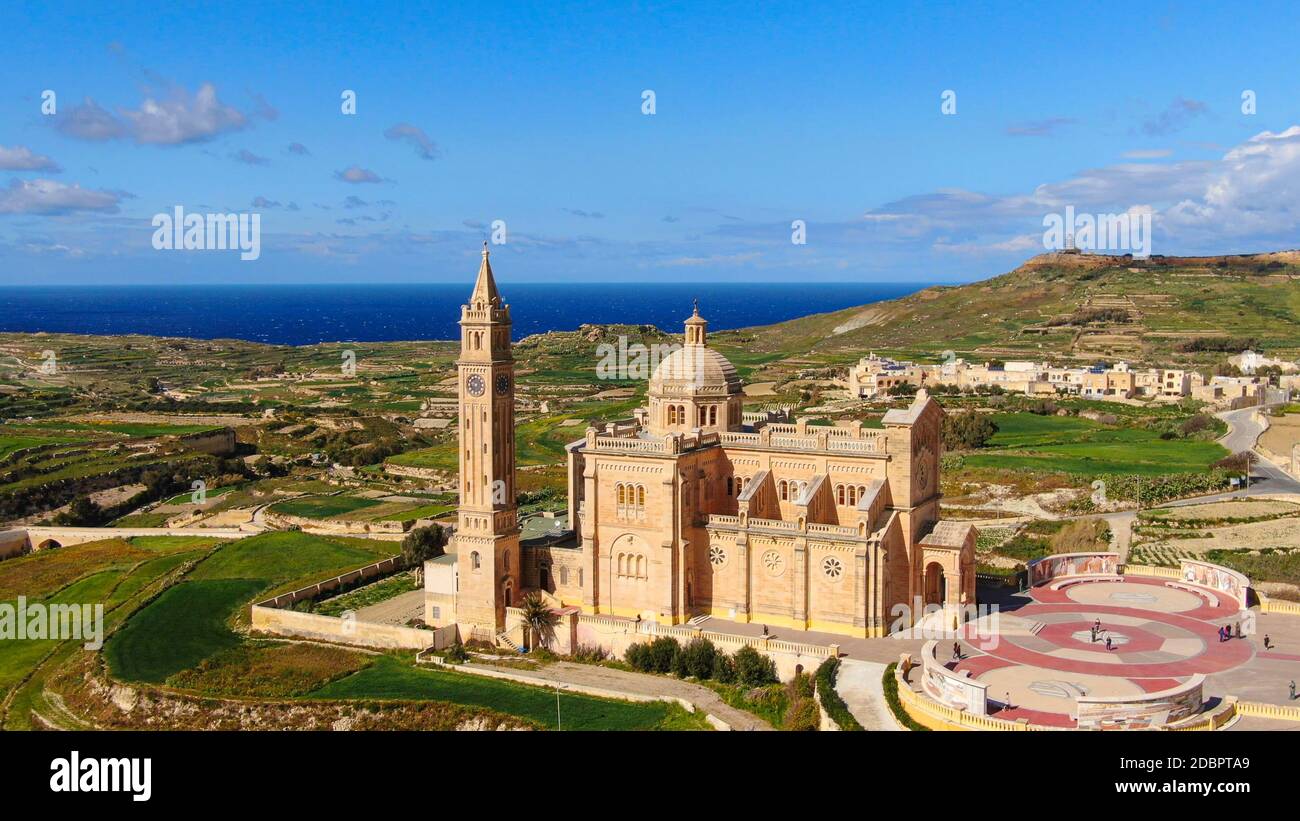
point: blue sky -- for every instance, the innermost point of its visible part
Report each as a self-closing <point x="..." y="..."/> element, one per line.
<point x="532" y="114"/>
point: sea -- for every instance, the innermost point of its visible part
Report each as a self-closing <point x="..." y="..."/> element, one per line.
<point x="308" y="314"/>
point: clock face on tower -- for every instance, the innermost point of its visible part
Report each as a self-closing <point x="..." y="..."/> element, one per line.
<point x="503" y="384"/>
<point x="474" y="385"/>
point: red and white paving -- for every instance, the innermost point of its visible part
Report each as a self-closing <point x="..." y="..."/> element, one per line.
<point x="1042" y="656"/>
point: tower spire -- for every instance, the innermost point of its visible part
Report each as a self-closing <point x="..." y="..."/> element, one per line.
<point x="695" y="326"/>
<point x="485" y="287"/>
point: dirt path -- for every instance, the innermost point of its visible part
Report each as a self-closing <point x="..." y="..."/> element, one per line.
<point x="398" y="610"/>
<point x="642" y="684"/>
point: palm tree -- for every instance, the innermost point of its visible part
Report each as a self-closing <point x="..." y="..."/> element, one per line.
<point x="539" y="617"/>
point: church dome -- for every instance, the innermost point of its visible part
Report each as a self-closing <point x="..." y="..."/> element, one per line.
<point x="695" y="369"/>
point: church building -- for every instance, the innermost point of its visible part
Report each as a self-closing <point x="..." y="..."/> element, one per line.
<point x="695" y="507"/>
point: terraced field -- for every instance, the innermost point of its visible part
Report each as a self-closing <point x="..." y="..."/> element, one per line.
<point x="1085" y="448"/>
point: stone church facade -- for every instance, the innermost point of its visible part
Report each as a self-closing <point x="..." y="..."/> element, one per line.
<point x="694" y="507"/>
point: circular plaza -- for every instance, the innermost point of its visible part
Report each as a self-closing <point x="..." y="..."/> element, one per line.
<point x="1088" y="648"/>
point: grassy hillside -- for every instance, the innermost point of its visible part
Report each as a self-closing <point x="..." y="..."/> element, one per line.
<point x="1066" y="307"/>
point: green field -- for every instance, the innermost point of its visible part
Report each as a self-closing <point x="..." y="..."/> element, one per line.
<point x="322" y="507"/>
<point x="12" y="444"/>
<point x="124" y="428"/>
<point x="1069" y="444"/>
<point x="191" y="621"/>
<point x="280" y="556"/>
<point x="421" y="512"/>
<point x="179" y="629"/>
<point x="389" y="678"/>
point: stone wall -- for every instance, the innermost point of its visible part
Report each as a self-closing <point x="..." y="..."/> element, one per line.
<point x="614" y="635"/>
<point x="339" y="527"/>
<point x="1141" y="711"/>
<point x="13" y="543"/>
<point x="348" y="630"/>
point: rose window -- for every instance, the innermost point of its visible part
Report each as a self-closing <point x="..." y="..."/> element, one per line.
<point x="717" y="556"/>
<point x="832" y="567"/>
<point x="773" y="562"/>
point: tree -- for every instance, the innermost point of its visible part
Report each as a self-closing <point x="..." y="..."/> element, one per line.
<point x="754" y="669"/>
<point x="82" y="512"/>
<point x="539" y="618"/>
<point x="422" y="544"/>
<point x="965" y="431"/>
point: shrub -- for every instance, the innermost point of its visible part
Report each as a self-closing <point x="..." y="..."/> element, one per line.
<point x="589" y="653"/>
<point x="456" y="654"/>
<point x="966" y="431"/>
<point x="895" y="706"/>
<point x="697" y="659"/>
<point x="1199" y="422"/>
<point x="802" y="716"/>
<point x="724" y="669"/>
<point x="830" y="698"/>
<point x="658" y="656"/>
<point x="753" y="668"/>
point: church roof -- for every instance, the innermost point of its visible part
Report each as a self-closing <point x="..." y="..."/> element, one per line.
<point x="948" y="534"/>
<point x="908" y="415"/>
<point x="696" y="367"/>
<point x="485" y="287"/>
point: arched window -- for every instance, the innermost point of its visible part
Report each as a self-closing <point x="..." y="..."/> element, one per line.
<point x="713" y="415"/>
<point x="729" y="486"/>
<point x="853" y="495"/>
<point x="622" y="493"/>
<point x="640" y="498"/>
<point x="839" y="494"/>
<point x="703" y="416"/>
<point x="785" y="491"/>
<point x="564" y="575"/>
<point x="473" y="560"/>
<point x="672" y="414"/>
<point x="622" y="569"/>
<point x="505" y="562"/>
<point x="640" y="567"/>
<point x="862" y="492"/>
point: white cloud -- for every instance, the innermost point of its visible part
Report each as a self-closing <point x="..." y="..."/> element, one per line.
<point x="1247" y="199"/>
<point x="357" y="175"/>
<point x="22" y="158"/>
<point x="178" y="119"/>
<point x="89" y="121"/>
<point x="415" y="136"/>
<point x="183" y="119"/>
<point x="50" y="197"/>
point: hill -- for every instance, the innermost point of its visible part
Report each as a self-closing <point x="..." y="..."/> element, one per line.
<point x="1068" y="307"/>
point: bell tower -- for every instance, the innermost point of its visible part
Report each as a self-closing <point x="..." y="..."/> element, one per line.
<point x="487" y="534"/>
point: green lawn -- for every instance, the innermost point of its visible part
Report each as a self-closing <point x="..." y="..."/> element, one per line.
<point x="321" y="507"/>
<point x="17" y="657"/>
<point x="125" y="428"/>
<point x="421" y="512"/>
<point x="438" y="457"/>
<point x="390" y="678"/>
<point x="1068" y="444"/>
<point x="179" y="629"/>
<point x="286" y="555"/>
<point x="192" y="620"/>
<point x="11" y="444"/>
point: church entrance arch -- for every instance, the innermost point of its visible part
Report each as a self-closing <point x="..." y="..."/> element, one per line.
<point x="936" y="588"/>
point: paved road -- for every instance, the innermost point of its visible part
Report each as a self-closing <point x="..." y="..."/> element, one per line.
<point x="859" y="684"/>
<point x="1243" y="432"/>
